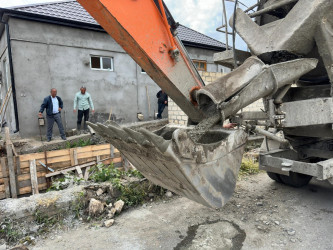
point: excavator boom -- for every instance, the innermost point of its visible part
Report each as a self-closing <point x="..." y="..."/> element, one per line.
<point x="202" y="162"/>
<point x="142" y="29"/>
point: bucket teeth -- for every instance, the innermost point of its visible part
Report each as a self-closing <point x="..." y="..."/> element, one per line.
<point x="99" y="128"/>
<point x="138" y="137"/>
<point x="109" y="122"/>
<point x="119" y="133"/>
<point x="158" y="141"/>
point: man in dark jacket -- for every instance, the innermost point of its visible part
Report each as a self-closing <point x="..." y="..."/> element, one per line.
<point x="53" y="105"/>
<point x="162" y="102"/>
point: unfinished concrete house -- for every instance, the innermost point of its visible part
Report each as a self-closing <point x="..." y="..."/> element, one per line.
<point x="60" y="45"/>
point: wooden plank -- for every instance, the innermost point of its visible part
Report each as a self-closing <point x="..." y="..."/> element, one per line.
<point x="2" y="196"/>
<point x="27" y="183"/>
<point x="58" y="159"/>
<point x="54" y="166"/>
<point x="5" y="179"/>
<point x="75" y="157"/>
<point x="2" y="188"/>
<point x="14" y="151"/>
<point x="25" y="164"/>
<point x="33" y="174"/>
<point x="24" y="177"/>
<point x="69" y="169"/>
<point x="111" y="151"/>
<point x="93" y="148"/>
<point x="34" y="156"/>
<point x="86" y="173"/>
<point x="57" y="153"/>
<point x="27" y="190"/>
<point x="94" y="154"/>
<point x="72" y="157"/>
<point x="18" y="165"/>
<point x="12" y="177"/>
<point x="79" y="172"/>
<point x="98" y="158"/>
<point x="50" y="154"/>
<point x="116" y="160"/>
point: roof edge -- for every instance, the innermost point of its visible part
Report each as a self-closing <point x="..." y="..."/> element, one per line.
<point x="223" y="44"/>
<point x="38" y="4"/>
<point x="49" y="19"/>
<point x="203" y="46"/>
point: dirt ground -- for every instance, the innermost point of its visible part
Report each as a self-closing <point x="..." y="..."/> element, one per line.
<point x="262" y="214"/>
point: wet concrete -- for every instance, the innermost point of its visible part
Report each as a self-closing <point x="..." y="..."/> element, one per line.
<point x="218" y="234"/>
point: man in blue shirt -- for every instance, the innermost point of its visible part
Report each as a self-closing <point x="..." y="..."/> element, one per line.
<point x="83" y="103"/>
<point x="53" y="105"/>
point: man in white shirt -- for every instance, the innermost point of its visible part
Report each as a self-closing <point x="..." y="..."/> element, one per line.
<point x="53" y="105"/>
<point x="83" y="103"/>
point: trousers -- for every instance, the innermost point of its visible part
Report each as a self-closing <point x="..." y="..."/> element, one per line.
<point x="50" y="122"/>
<point x="82" y="114"/>
<point x="161" y="107"/>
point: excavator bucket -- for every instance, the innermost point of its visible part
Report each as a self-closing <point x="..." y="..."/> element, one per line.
<point x="205" y="172"/>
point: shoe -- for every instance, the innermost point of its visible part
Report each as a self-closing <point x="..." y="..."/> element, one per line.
<point x="64" y="138"/>
<point x="86" y="131"/>
<point x="48" y="139"/>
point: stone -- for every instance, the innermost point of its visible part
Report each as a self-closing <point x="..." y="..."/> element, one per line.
<point x="112" y="213"/>
<point x="291" y="232"/>
<point x="263" y="218"/>
<point x="108" y="223"/>
<point x="3" y="247"/>
<point x="119" y="205"/>
<point x="260" y="204"/>
<point x="99" y="192"/>
<point x="293" y="240"/>
<point x="277" y="222"/>
<point x="168" y="194"/>
<point x="95" y="207"/>
<point x="34" y="229"/>
<point x="20" y="247"/>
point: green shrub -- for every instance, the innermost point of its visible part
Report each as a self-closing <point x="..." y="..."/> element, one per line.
<point x="80" y="143"/>
<point x="249" y="167"/>
<point x="8" y="232"/>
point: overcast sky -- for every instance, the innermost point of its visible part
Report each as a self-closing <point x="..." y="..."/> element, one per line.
<point x="201" y="15"/>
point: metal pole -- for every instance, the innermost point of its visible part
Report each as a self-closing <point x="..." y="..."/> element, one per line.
<point x="226" y="24"/>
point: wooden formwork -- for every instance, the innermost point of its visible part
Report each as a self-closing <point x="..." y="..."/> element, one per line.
<point x="29" y="168"/>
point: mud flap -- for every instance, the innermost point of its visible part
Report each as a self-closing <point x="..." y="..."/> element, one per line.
<point x="205" y="172"/>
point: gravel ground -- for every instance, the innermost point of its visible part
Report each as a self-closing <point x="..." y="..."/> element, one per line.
<point x="262" y="214"/>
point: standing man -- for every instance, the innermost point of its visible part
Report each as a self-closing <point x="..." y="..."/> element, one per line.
<point x="53" y="105"/>
<point x="83" y="103"/>
<point x="162" y="102"/>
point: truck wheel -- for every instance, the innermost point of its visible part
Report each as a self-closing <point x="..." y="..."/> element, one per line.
<point x="296" y="179"/>
<point x="274" y="176"/>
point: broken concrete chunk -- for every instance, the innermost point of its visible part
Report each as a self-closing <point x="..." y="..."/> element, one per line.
<point x="119" y="206"/>
<point x="3" y="247"/>
<point x="95" y="207"/>
<point x="99" y="192"/>
<point x="168" y="194"/>
<point x="33" y="229"/>
<point x="108" y="223"/>
<point x="112" y="213"/>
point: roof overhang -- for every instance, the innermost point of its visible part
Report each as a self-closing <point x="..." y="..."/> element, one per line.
<point x="6" y="13"/>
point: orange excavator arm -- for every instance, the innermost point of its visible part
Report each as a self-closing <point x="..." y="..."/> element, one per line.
<point x="200" y="162"/>
<point x="143" y="31"/>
